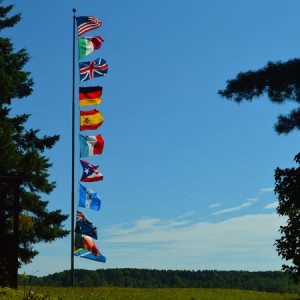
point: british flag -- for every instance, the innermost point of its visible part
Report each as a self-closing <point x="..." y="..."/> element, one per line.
<point x="81" y="217"/>
<point x="92" y="69"/>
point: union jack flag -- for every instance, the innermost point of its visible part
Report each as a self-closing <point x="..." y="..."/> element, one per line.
<point x="85" y="24"/>
<point x="92" y="69"/>
<point x="80" y="216"/>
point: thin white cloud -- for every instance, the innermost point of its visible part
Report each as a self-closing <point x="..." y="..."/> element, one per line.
<point x="241" y="243"/>
<point x="214" y="205"/>
<point x="236" y="208"/>
<point x="244" y="243"/>
<point x="188" y="214"/>
<point x="146" y="223"/>
<point x="271" y="205"/>
<point x="252" y="199"/>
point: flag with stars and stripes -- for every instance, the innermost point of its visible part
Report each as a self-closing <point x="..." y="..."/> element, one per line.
<point x="85" y="24"/>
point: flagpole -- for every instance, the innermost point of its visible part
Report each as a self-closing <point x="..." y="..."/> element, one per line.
<point x="73" y="154"/>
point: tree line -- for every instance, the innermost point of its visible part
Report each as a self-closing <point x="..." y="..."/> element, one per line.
<point x="267" y="281"/>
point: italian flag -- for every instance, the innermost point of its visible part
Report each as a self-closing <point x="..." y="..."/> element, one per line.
<point x="89" y="44"/>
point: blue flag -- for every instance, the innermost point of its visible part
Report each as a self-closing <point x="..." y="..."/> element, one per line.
<point x="92" y="69"/>
<point x="85" y="226"/>
<point x="89" y="199"/>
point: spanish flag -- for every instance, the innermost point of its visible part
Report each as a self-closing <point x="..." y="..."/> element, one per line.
<point x="90" y="119"/>
<point x="90" y="95"/>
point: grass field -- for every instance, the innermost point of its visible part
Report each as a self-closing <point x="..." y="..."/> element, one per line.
<point x="113" y="293"/>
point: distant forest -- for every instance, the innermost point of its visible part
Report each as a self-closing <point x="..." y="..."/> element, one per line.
<point x="268" y="281"/>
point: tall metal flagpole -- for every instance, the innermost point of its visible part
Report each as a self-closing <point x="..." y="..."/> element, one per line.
<point x="73" y="154"/>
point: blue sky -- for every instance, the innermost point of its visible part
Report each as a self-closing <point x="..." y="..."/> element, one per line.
<point x="188" y="176"/>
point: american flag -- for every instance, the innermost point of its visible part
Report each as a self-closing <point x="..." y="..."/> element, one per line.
<point x="85" y="24"/>
<point x="91" y="69"/>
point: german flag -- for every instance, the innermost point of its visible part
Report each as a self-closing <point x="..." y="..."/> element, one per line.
<point x="90" y="95"/>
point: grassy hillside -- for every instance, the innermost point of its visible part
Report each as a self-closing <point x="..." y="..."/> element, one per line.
<point x="113" y="293"/>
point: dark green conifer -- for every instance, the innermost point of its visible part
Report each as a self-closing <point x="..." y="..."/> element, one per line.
<point x="280" y="82"/>
<point x="22" y="150"/>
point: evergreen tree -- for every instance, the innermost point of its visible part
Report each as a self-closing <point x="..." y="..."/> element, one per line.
<point x="280" y="81"/>
<point x="22" y="150"/>
<point x="288" y="190"/>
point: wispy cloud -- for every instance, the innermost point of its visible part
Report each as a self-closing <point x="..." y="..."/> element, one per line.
<point x="214" y="205"/>
<point x="244" y="242"/>
<point x="271" y="205"/>
<point x="186" y="215"/>
<point x="241" y="243"/>
<point x="248" y="203"/>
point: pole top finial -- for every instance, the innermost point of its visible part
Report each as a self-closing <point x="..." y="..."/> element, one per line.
<point x="74" y="10"/>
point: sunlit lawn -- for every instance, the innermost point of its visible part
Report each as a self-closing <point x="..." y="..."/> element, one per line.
<point x="113" y="293"/>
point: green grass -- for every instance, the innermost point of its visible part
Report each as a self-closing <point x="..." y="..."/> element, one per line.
<point x="113" y="293"/>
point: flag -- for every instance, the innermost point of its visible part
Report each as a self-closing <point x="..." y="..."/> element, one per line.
<point x="92" y="69"/>
<point x="91" y="145"/>
<point x="89" y="199"/>
<point x="90" y="245"/>
<point x="90" y="119"/>
<point x="88" y="45"/>
<point x="85" y="24"/>
<point x="90" y="172"/>
<point x="90" y="95"/>
<point x="86" y="254"/>
<point x="84" y="226"/>
<point x="85" y="247"/>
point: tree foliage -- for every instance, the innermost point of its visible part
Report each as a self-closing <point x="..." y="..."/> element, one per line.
<point x="268" y="281"/>
<point x="22" y="150"/>
<point x="287" y="189"/>
<point x="280" y="82"/>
